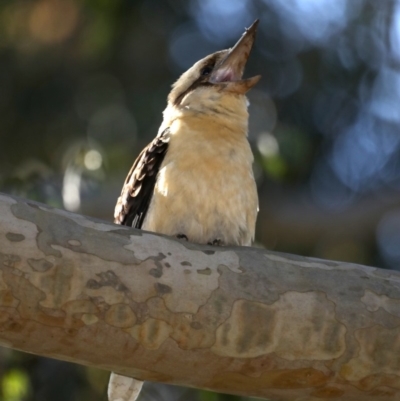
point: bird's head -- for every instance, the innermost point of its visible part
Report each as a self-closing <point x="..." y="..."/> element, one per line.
<point x="215" y="83"/>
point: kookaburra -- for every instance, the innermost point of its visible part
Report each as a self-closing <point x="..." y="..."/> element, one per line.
<point x="195" y="179"/>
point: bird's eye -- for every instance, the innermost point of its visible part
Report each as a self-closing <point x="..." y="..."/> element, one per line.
<point x="206" y="71"/>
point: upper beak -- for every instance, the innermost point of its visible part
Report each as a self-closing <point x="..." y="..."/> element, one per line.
<point x="231" y="68"/>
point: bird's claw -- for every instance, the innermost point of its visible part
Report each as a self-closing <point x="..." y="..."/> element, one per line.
<point x="216" y="242"/>
<point x="182" y="236"/>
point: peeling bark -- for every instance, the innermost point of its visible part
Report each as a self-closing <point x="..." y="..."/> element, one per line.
<point x="236" y="320"/>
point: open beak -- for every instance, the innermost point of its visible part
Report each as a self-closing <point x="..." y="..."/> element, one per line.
<point x="230" y="70"/>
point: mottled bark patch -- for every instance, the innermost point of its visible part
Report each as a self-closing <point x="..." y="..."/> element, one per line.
<point x="151" y="334"/>
<point x="107" y="279"/>
<point x="379" y="384"/>
<point x="7" y="298"/>
<point x="310" y="332"/>
<point x="120" y="315"/>
<point x="196" y="325"/>
<point x="374" y="301"/>
<point x="57" y="227"/>
<point x="88" y="319"/>
<point x="207" y="271"/>
<point x="328" y="392"/>
<point x="156" y="272"/>
<point x="276" y="379"/>
<point x="78" y="307"/>
<point x="15" y="237"/>
<point x="162" y="288"/>
<point x="74" y="242"/>
<point x="23" y="289"/>
<point x="199" y="287"/>
<point x="188" y="331"/>
<point x="40" y="265"/>
<point x="10" y="260"/>
<point x="374" y="356"/>
<point x="61" y="283"/>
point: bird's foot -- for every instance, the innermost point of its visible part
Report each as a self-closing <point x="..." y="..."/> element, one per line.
<point x="182" y="236"/>
<point x="216" y="242"/>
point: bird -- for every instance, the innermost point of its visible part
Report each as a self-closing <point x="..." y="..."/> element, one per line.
<point x="195" y="180"/>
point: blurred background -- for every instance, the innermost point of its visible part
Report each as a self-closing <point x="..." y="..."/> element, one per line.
<point x="82" y="88"/>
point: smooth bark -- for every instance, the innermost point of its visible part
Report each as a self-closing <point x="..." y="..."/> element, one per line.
<point x="236" y="320"/>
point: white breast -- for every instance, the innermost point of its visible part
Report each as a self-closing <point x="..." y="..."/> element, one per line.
<point x="205" y="188"/>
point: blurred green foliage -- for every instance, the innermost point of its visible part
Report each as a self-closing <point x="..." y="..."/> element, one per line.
<point x="15" y="385"/>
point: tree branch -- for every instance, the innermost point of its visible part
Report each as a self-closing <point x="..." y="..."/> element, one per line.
<point x="236" y="320"/>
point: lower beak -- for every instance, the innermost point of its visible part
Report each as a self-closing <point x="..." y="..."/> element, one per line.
<point x="230" y="69"/>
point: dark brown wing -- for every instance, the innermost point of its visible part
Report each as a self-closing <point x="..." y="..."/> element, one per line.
<point x="132" y="205"/>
